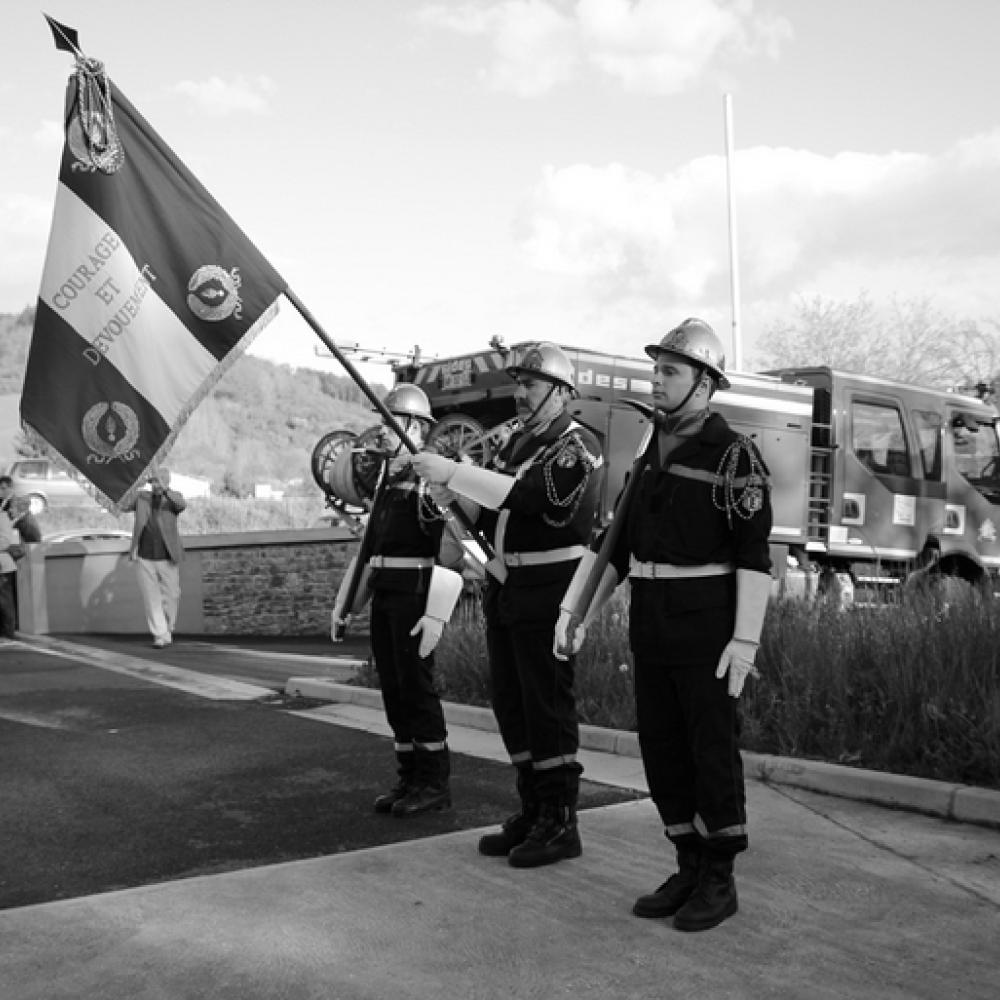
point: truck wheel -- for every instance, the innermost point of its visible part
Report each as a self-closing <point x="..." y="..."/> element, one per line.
<point x="325" y="454"/>
<point x="458" y="435"/>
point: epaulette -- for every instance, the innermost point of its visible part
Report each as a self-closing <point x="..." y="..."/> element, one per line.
<point x="736" y="494"/>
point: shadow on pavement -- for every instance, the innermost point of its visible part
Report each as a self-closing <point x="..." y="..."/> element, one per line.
<point x="128" y="785"/>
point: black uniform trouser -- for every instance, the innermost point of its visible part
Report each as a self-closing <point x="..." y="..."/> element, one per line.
<point x="689" y="739"/>
<point x="535" y="709"/>
<point x="412" y="705"/>
<point x="8" y="605"/>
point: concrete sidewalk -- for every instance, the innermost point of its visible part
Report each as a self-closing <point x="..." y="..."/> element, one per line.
<point x="839" y="898"/>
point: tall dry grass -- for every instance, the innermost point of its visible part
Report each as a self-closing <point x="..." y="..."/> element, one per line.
<point x="912" y="688"/>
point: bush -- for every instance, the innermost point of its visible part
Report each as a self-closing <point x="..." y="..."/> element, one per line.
<point x="909" y="688"/>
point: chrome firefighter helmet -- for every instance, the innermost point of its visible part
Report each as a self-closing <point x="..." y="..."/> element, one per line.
<point x="695" y="341"/>
<point x="546" y="361"/>
<point x="408" y="400"/>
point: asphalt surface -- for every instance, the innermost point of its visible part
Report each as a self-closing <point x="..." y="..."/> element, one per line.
<point x="119" y="782"/>
<point x="838" y="897"/>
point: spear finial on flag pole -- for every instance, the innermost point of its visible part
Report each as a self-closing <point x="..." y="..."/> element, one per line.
<point x="65" y="38"/>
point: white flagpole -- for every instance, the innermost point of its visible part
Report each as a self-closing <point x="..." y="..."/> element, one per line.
<point x="734" y="266"/>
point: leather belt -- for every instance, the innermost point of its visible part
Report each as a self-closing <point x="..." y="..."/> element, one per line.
<point x="668" y="571"/>
<point x="400" y="562"/>
<point x="543" y="557"/>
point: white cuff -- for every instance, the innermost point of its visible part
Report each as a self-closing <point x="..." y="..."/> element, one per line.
<point x="488" y="489"/>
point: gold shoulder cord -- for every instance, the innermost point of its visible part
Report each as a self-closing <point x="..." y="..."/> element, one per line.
<point x="730" y="493"/>
<point x="570" y="451"/>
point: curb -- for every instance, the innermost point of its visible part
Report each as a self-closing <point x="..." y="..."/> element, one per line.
<point x="956" y="802"/>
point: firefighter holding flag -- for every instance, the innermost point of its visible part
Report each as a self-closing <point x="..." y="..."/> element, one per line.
<point x="407" y="563"/>
<point x="538" y="503"/>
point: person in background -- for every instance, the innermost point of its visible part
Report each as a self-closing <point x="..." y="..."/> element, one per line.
<point x="537" y="504"/>
<point x="158" y="552"/>
<point x="411" y="557"/>
<point x="20" y="514"/>
<point x="695" y="549"/>
<point x="28" y="532"/>
<point x="8" y="574"/>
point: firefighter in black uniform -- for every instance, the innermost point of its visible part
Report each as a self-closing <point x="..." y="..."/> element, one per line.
<point x="413" y="593"/>
<point x="538" y="503"/>
<point x="694" y="547"/>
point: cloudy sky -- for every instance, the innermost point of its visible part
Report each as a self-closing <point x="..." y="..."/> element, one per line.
<point x="437" y="173"/>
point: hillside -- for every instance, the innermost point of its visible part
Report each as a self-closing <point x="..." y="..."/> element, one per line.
<point x="258" y="425"/>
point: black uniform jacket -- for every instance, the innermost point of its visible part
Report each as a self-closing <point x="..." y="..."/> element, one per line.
<point x="709" y="504"/>
<point x="552" y="505"/>
<point x="403" y="522"/>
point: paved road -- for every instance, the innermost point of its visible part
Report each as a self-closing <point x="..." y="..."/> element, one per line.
<point x="839" y="899"/>
<point x="125" y="775"/>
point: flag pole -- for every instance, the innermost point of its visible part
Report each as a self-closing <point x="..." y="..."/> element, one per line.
<point x="380" y="406"/>
<point x="734" y="266"/>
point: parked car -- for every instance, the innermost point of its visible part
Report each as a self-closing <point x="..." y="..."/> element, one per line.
<point x="45" y="485"/>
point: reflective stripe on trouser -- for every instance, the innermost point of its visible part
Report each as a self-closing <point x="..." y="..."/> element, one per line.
<point x="160" y="586"/>
<point x="535" y="709"/>
<point x="688" y="736"/>
<point x="412" y="706"/>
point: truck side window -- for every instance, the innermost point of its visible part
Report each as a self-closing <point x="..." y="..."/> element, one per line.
<point x="877" y="439"/>
<point x="928" y="424"/>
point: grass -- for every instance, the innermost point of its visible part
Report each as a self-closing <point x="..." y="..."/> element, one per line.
<point x="908" y="688"/>
<point x="911" y="688"/>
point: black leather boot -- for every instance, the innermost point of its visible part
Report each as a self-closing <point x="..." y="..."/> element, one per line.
<point x="385" y="802"/>
<point x="714" y="898"/>
<point x="512" y="833"/>
<point x="515" y="828"/>
<point x="676" y="891"/>
<point x="553" y="837"/>
<point x="423" y="798"/>
<point x="429" y="788"/>
<point x="406" y="769"/>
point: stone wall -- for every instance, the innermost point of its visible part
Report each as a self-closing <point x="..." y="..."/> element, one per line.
<point x="251" y="583"/>
<point x="273" y="589"/>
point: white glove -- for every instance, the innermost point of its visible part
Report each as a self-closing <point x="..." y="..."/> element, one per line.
<point x="430" y="630"/>
<point x="433" y="467"/>
<point x="563" y="645"/>
<point x="441" y="495"/>
<point x="737" y="660"/>
<point x="338" y="621"/>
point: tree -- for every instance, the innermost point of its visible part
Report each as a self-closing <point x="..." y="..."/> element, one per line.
<point x="907" y="340"/>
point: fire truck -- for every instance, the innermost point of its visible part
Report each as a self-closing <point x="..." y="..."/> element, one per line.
<point x="863" y="470"/>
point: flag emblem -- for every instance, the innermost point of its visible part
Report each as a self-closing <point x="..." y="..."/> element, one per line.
<point x="110" y="430"/>
<point x="213" y="293"/>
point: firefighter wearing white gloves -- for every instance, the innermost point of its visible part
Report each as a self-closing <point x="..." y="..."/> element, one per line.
<point x="442" y="596"/>
<point x="737" y="660"/>
<point x="574" y="620"/>
<point x="408" y="550"/>
<point x="537" y="503"/>
<point x="693" y="542"/>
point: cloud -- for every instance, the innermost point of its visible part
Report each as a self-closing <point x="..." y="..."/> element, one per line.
<point x="223" y="97"/>
<point x="49" y="135"/>
<point x="647" y="46"/>
<point x="900" y="223"/>
<point x="24" y="221"/>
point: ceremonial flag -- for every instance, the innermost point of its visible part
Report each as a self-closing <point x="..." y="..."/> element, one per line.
<point x="149" y="292"/>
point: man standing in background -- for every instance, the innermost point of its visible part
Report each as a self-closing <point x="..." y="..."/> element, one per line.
<point x="156" y="547"/>
<point x="8" y="575"/>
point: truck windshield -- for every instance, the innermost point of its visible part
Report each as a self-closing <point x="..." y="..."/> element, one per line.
<point x="977" y="453"/>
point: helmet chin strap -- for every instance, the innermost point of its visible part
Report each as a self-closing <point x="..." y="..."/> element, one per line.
<point x="684" y="401"/>
<point x="528" y="423"/>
